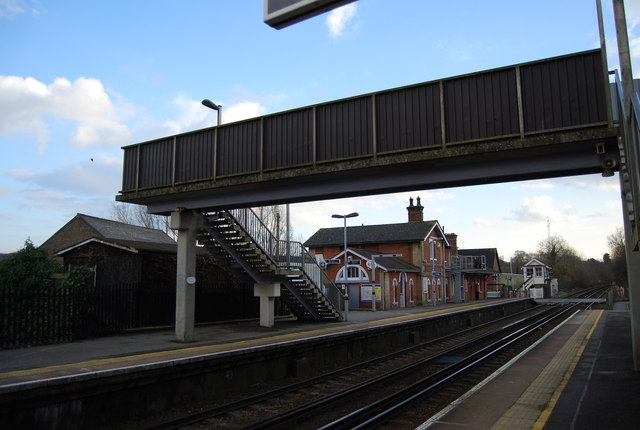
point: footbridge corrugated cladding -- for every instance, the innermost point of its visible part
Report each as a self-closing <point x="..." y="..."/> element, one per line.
<point x="550" y="108"/>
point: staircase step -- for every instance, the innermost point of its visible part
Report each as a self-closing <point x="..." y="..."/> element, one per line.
<point x="298" y="287"/>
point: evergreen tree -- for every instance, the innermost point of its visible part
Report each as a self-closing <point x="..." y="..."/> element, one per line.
<point x="28" y="268"/>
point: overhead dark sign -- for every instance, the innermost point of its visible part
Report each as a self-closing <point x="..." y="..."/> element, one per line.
<point x="282" y="13"/>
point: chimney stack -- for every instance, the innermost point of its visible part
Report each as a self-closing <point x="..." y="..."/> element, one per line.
<point x="415" y="212"/>
<point x="452" y="238"/>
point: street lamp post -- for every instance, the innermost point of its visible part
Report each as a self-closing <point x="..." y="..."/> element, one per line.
<point x="211" y="105"/>
<point x="346" y="291"/>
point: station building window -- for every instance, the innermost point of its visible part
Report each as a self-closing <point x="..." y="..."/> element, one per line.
<point x="354" y="274"/>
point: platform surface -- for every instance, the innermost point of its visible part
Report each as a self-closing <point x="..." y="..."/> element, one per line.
<point x="149" y="347"/>
<point x="579" y="377"/>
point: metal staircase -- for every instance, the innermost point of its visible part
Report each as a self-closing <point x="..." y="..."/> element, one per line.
<point x="241" y="243"/>
<point x="528" y="283"/>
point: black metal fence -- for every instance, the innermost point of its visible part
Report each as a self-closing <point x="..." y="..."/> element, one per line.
<point x="30" y="317"/>
<point x="37" y="316"/>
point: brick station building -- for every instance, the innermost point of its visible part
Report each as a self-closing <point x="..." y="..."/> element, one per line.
<point x="404" y="264"/>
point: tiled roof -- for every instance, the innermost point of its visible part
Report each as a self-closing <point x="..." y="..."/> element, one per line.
<point x="391" y="264"/>
<point x="365" y="234"/>
<point x="122" y="233"/>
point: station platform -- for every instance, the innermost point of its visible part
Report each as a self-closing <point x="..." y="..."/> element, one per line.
<point x="579" y="377"/>
<point x="147" y="347"/>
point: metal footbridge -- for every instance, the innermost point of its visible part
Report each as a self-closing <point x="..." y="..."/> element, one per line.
<point x="546" y="118"/>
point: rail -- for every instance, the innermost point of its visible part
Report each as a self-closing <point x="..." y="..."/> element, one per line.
<point x="380" y="411"/>
<point x="309" y="265"/>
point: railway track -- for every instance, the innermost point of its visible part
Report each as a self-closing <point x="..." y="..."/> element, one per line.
<point x="384" y="391"/>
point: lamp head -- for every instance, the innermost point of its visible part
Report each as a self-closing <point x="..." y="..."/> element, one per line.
<point x="351" y="215"/>
<point x="211" y="105"/>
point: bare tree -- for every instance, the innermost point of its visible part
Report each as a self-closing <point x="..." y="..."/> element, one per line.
<point x="274" y="218"/>
<point x="138" y="215"/>
<point x="566" y="264"/>
<point x="553" y="248"/>
<point x="618" y="257"/>
<point x="519" y="259"/>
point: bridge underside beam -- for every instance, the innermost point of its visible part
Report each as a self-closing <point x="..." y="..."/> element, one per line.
<point x="542" y="156"/>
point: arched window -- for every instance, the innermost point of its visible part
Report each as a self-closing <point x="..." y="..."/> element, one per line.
<point x="394" y="292"/>
<point x="410" y="290"/>
<point x="354" y="274"/>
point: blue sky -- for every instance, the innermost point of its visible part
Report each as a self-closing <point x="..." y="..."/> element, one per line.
<point x="80" y="79"/>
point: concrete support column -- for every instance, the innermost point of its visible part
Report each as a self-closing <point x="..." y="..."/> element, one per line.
<point x="187" y="223"/>
<point x="267" y="293"/>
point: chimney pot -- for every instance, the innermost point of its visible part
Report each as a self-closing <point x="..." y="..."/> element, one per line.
<point x="415" y="212"/>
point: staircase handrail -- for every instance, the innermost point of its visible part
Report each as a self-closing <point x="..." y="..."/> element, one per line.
<point x="528" y="282"/>
<point x="253" y="225"/>
<point x="276" y="251"/>
<point x="301" y="259"/>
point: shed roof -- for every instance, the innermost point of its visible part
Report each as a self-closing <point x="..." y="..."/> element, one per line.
<point x="118" y="231"/>
<point x="389" y="264"/>
<point x="83" y="228"/>
<point x="535" y="262"/>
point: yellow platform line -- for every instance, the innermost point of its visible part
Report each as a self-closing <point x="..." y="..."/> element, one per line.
<point x="91" y="365"/>
<point x="546" y="413"/>
<point x="545" y="390"/>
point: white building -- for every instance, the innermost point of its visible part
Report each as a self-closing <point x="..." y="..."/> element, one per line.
<point x="537" y="280"/>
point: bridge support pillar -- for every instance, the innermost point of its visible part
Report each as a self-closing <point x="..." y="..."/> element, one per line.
<point x="267" y="293"/>
<point x="187" y="223"/>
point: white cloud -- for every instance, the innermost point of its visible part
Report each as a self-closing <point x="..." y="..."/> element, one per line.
<point x="338" y="19"/>
<point x="243" y="110"/>
<point x="536" y="185"/>
<point x="310" y="217"/>
<point x="6" y="191"/>
<point x="536" y="209"/>
<point x="20" y="174"/>
<point x="28" y="106"/>
<point x="98" y="178"/>
<point x="426" y="197"/>
<point x="482" y="222"/>
<point x="191" y="115"/>
<point x="612" y="204"/>
<point x="460" y="54"/>
<point x="11" y="8"/>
